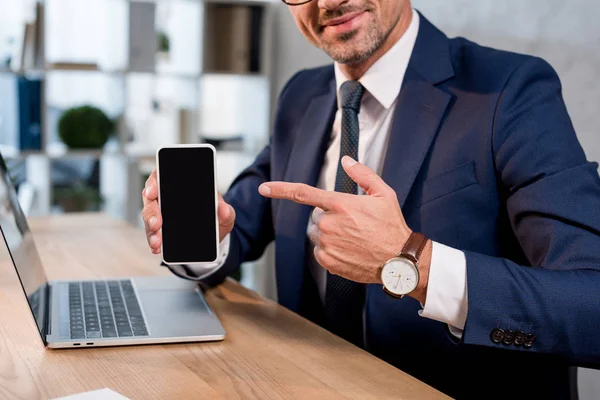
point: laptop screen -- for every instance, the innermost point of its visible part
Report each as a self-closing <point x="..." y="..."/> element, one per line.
<point x="23" y="252"/>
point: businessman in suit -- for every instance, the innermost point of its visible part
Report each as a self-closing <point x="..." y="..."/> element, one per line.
<point x="432" y="167"/>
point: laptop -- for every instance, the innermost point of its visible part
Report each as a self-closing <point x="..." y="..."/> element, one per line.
<point x="107" y="312"/>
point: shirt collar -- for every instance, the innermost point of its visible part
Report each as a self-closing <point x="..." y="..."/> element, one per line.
<point x="384" y="79"/>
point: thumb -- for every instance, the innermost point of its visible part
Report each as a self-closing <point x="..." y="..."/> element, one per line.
<point x="364" y="177"/>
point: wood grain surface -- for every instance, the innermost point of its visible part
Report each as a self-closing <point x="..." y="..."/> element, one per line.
<point x="269" y="352"/>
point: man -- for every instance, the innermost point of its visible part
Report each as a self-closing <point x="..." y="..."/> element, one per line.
<point x="469" y="146"/>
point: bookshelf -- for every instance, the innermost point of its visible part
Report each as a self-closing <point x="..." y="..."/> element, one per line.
<point x="178" y="71"/>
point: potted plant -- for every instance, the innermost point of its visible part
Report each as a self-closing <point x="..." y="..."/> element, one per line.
<point x="163" y="45"/>
<point x="85" y="127"/>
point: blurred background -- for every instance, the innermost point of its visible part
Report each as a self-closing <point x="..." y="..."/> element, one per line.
<point x="89" y="89"/>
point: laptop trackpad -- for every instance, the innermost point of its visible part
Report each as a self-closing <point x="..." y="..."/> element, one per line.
<point x="175" y="308"/>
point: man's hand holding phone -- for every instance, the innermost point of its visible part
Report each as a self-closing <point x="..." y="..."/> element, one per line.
<point x="153" y="219"/>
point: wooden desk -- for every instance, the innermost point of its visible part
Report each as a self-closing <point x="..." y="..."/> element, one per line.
<point x="269" y="352"/>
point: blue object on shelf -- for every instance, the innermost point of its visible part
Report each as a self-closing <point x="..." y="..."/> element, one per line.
<point x="30" y="113"/>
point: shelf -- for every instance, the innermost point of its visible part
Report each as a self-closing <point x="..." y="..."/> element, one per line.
<point x="11" y="153"/>
<point x="29" y="72"/>
<point x="75" y="154"/>
<point x="65" y="65"/>
<point x="216" y="73"/>
<point x="83" y="69"/>
<point x="219" y="49"/>
<point x="54" y="155"/>
<point x="15" y="155"/>
<point x="166" y="74"/>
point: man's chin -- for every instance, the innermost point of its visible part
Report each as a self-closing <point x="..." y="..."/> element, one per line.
<point x="353" y="48"/>
<point x="346" y="46"/>
<point x="349" y="57"/>
<point x="345" y="53"/>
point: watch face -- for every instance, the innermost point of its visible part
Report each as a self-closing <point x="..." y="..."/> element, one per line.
<point x="400" y="276"/>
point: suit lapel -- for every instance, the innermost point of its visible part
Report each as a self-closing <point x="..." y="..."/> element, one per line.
<point x="419" y="111"/>
<point x="304" y="166"/>
<point x="311" y="143"/>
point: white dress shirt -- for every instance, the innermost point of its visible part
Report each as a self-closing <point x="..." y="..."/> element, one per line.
<point x="447" y="288"/>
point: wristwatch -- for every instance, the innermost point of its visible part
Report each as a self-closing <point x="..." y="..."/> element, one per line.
<point x="400" y="275"/>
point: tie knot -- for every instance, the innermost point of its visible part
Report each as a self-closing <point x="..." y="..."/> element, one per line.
<point x="351" y="93"/>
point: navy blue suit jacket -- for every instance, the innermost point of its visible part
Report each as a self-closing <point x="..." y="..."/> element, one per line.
<point x="484" y="158"/>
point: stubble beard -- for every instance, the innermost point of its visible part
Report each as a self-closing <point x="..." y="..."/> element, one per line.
<point x="347" y="54"/>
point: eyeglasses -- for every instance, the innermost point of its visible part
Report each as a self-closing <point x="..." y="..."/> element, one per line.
<point x="296" y="2"/>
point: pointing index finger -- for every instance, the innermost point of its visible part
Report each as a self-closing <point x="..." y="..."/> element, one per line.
<point x="299" y="193"/>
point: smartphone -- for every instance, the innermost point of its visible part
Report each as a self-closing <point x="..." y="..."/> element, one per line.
<point x="187" y="196"/>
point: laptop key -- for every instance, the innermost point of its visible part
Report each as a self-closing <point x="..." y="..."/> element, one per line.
<point x="141" y="332"/>
<point x="109" y="333"/>
<point x="94" y="334"/>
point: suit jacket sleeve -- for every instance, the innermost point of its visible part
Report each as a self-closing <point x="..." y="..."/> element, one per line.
<point x="253" y="229"/>
<point x="552" y="195"/>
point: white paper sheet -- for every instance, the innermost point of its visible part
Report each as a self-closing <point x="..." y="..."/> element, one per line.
<point x="101" y="394"/>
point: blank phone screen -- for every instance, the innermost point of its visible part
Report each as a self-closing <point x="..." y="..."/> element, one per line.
<point x="187" y="203"/>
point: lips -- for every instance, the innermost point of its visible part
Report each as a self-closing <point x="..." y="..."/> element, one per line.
<point x="346" y="23"/>
<point x="344" y="18"/>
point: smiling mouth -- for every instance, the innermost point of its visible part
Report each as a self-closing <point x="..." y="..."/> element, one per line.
<point x="338" y="23"/>
<point x="343" y="19"/>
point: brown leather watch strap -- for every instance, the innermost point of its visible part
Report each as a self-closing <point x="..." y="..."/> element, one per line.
<point x="414" y="246"/>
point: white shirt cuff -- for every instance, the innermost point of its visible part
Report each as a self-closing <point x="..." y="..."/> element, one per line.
<point x="202" y="270"/>
<point x="447" y="288"/>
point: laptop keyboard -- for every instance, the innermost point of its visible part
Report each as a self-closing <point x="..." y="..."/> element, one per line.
<point x="105" y="309"/>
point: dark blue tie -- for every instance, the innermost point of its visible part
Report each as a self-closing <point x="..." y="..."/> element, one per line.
<point x="344" y="299"/>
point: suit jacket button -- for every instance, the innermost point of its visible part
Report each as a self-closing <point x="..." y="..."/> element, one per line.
<point x="529" y="339"/>
<point x="520" y="338"/>
<point x="497" y="335"/>
<point x="509" y="337"/>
